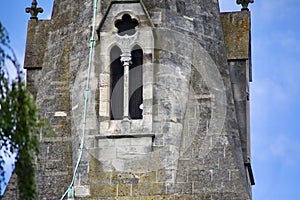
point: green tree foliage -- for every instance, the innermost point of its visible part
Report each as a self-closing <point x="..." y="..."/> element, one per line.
<point x="19" y="124"/>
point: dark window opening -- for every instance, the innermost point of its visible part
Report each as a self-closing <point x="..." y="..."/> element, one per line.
<point x="180" y="7"/>
<point x="116" y="85"/>
<point x="136" y="84"/>
<point x="126" y="25"/>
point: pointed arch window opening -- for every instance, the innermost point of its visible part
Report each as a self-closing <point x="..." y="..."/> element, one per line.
<point x="136" y="84"/>
<point x="116" y="84"/>
<point x="126" y="84"/>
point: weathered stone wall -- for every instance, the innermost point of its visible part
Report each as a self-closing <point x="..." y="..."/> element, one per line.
<point x="63" y="53"/>
<point x="192" y="140"/>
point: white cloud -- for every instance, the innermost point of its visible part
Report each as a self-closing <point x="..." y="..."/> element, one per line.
<point x="267" y="96"/>
<point x="285" y="149"/>
<point x="289" y="41"/>
<point x="280" y="148"/>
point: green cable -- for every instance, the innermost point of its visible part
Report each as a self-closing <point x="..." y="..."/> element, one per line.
<point x="70" y="190"/>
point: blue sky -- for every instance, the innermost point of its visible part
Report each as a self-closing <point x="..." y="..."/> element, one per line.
<point x="274" y="91"/>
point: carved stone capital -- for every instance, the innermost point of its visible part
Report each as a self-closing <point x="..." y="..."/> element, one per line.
<point x="126" y="59"/>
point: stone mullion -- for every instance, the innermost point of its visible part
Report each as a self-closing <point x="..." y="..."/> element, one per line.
<point x="126" y="61"/>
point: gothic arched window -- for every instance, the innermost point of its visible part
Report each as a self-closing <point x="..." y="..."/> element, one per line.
<point x="124" y="64"/>
<point x="136" y="84"/>
<point x="134" y="87"/>
<point x="116" y="84"/>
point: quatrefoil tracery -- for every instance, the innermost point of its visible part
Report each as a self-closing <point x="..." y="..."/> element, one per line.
<point x="126" y="25"/>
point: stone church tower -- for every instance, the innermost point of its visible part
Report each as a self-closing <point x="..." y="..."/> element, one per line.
<point x="148" y="99"/>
